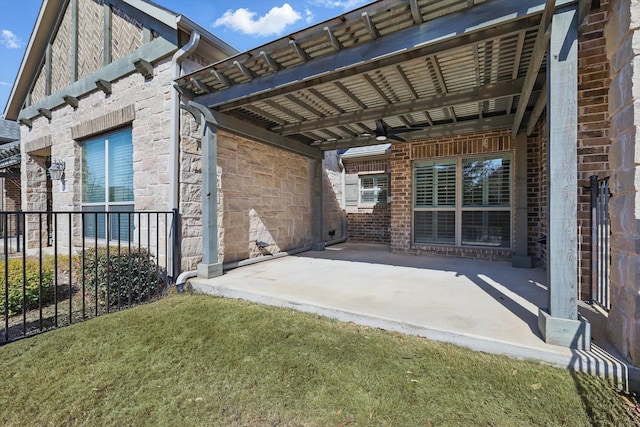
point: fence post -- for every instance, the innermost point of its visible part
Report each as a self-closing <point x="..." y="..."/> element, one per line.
<point x="176" y="244"/>
<point x="18" y="215"/>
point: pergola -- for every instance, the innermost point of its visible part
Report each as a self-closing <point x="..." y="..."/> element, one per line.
<point x="414" y="69"/>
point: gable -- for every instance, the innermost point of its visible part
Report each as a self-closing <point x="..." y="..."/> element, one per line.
<point x="77" y="47"/>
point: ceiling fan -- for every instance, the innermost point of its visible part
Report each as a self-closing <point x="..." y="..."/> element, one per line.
<point x="384" y="132"/>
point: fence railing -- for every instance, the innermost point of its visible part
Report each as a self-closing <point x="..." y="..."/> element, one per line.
<point x="600" y="242"/>
<point x="66" y="267"/>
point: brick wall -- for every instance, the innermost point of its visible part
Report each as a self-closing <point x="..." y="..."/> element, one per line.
<point x="593" y="127"/>
<point x="537" y="193"/>
<point x="11" y="201"/>
<point x="402" y="157"/>
<point x="369" y="224"/>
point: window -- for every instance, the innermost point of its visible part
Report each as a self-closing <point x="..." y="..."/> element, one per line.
<point x="374" y="189"/>
<point x="107" y="185"/>
<point x="464" y="201"/>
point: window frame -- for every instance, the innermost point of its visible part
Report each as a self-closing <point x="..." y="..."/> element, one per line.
<point x="108" y="234"/>
<point x="375" y="176"/>
<point x="459" y="208"/>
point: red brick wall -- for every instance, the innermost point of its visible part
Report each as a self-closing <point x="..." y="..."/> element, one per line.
<point x="537" y="192"/>
<point x="402" y="157"/>
<point x="369" y="224"/>
<point x="593" y="126"/>
<point x="12" y="200"/>
<point x="592" y="145"/>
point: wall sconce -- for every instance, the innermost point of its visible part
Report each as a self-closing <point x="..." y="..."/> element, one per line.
<point x="56" y="170"/>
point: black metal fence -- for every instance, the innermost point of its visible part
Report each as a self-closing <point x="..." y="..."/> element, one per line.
<point x="66" y="267"/>
<point x="600" y="242"/>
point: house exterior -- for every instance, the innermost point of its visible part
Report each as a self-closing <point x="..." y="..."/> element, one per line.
<point x="493" y="115"/>
<point x="94" y="96"/>
<point x="492" y="139"/>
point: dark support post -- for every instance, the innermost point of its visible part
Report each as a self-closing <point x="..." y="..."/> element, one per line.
<point x="593" y="181"/>
<point x="177" y="247"/>
<point x="318" y="241"/>
<point x="18" y="215"/>
<point x="559" y="323"/>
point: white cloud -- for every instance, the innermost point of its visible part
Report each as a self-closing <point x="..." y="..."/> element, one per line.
<point x="309" y="16"/>
<point x="273" y="22"/>
<point x="342" y="4"/>
<point x="4" y="83"/>
<point x="9" y="40"/>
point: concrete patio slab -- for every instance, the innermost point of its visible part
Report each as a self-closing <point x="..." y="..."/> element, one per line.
<point x="483" y="305"/>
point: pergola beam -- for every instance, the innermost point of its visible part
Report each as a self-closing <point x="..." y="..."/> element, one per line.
<point x="444" y="100"/>
<point x="541" y="103"/>
<point x="251" y="131"/>
<point x="539" y="52"/>
<point x="437" y="131"/>
<point x="489" y="20"/>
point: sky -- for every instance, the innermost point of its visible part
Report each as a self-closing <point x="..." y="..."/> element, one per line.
<point x="244" y="24"/>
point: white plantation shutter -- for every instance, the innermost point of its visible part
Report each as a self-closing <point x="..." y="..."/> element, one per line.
<point x="435" y="184"/>
<point x="484" y="208"/>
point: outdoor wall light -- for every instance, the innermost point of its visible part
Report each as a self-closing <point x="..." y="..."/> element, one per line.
<point x="56" y="170"/>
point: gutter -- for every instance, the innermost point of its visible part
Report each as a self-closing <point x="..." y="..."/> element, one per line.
<point x="174" y="139"/>
<point x="174" y="160"/>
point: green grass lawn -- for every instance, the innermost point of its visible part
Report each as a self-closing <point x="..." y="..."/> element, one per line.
<point x="192" y="360"/>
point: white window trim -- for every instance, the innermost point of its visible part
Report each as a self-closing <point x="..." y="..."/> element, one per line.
<point x="375" y="175"/>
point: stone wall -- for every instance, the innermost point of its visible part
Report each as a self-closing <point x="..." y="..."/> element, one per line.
<point x="622" y="31"/>
<point x="264" y="197"/>
<point x="267" y="198"/>
<point x="142" y="105"/>
<point x="334" y="221"/>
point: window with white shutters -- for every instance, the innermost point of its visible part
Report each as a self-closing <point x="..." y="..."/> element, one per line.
<point x="463" y="201"/>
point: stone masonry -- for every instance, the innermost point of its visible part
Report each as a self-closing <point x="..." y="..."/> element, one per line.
<point x="622" y="33"/>
<point x="147" y="104"/>
<point x="264" y="197"/>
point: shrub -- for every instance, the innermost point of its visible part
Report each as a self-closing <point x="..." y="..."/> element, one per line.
<point x="32" y="289"/>
<point x="122" y="277"/>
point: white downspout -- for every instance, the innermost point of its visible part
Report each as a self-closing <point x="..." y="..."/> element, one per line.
<point x="174" y="159"/>
<point x="174" y="142"/>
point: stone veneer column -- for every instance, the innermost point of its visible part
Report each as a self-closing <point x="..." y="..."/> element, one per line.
<point x="622" y="33"/>
<point x="34" y="197"/>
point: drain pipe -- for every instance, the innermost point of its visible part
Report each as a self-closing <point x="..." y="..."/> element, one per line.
<point x="174" y="159"/>
<point x="174" y="142"/>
